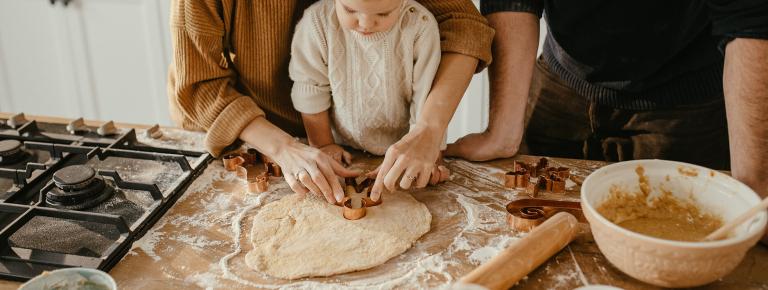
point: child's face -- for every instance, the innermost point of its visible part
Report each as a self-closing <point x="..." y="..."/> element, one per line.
<point x="368" y="16"/>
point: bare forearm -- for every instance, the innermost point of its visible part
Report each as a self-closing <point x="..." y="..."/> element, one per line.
<point x="265" y="136"/>
<point x="452" y="79"/>
<point x="745" y="82"/>
<point x="318" y="127"/>
<point x="514" y="50"/>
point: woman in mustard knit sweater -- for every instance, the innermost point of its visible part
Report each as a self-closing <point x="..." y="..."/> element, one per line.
<point x="229" y="77"/>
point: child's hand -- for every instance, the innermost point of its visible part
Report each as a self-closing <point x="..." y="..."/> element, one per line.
<point x="337" y="153"/>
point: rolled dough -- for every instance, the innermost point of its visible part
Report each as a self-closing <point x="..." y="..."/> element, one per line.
<point x="297" y="237"/>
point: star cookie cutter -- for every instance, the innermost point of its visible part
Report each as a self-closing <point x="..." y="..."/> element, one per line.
<point x="526" y="213"/>
<point x="548" y="178"/>
<point x="357" y="197"/>
<point x="240" y="164"/>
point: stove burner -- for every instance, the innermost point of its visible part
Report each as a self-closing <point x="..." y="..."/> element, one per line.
<point x="10" y="152"/>
<point x="74" y="177"/>
<point x="78" y="187"/>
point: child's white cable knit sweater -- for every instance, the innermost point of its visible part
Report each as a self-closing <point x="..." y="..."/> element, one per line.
<point x="374" y="85"/>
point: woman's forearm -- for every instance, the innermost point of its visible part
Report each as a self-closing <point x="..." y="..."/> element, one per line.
<point x="318" y="127"/>
<point x="452" y="79"/>
<point x="265" y="136"/>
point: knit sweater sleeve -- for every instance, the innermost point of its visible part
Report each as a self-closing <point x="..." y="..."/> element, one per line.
<point x="201" y="84"/>
<point x="463" y="29"/>
<point x="311" y="92"/>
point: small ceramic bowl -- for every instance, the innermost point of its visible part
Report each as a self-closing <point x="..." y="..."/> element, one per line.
<point x="670" y="263"/>
<point x="71" y="278"/>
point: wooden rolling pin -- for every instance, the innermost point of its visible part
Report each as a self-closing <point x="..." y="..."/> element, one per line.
<point x="523" y="256"/>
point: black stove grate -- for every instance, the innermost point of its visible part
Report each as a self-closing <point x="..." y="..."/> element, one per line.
<point x="24" y="203"/>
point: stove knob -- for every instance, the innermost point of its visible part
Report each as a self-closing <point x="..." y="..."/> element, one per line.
<point x="154" y="132"/>
<point x="107" y="129"/>
<point x="77" y="126"/>
<point x="17" y="121"/>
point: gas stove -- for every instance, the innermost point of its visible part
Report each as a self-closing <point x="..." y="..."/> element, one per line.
<point x="73" y="195"/>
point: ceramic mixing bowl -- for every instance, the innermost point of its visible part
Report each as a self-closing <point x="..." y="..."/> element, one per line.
<point x="71" y="278"/>
<point x="670" y="263"/>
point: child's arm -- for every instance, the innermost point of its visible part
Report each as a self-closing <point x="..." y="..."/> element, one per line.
<point x="425" y="63"/>
<point x="318" y="127"/>
<point x="311" y="91"/>
<point x="426" y="59"/>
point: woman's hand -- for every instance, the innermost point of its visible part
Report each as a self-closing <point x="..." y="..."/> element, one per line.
<point x="305" y="168"/>
<point x="411" y="161"/>
<point x="309" y="169"/>
<point x="337" y="153"/>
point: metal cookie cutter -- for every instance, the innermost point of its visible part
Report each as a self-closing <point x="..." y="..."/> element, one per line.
<point x="240" y="162"/>
<point x="271" y="167"/>
<point x="534" y="169"/>
<point x="517" y="179"/>
<point x="358" y="198"/>
<point x="550" y="179"/>
<point x="526" y="213"/>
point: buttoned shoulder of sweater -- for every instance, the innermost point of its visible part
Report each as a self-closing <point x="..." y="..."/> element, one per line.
<point x="323" y="15"/>
<point x="416" y="14"/>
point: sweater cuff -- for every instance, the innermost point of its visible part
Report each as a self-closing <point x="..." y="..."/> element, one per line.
<point x="493" y="6"/>
<point x="468" y="37"/>
<point x="310" y="99"/>
<point x="226" y="129"/>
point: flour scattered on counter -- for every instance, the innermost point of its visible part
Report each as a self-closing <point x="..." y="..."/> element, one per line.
<point x="480" y="215"/>
<point x="175" y="139"/>
<point x="482" y="255"/>
<point x="485" y="170"/>
<point x="214" y="172"/>
<point x="148" y="243"/>
<point x="218" y="203"/>
<point x="198" y="242"/>
<point x="582" y="277"/>
<point x="205" y="280"/>
<point x="237" y="231"/>
<point x="564" y="279"/>
<point x="471" y="208"/>
<point x="431" y="264"/>
<point x="496" y="245"/>
<point x="569" y="184"/>
<point x="460" y="243"/>
<point x="204" y="182"/>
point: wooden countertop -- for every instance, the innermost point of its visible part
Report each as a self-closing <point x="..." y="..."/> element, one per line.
<point x="186" y="247"/>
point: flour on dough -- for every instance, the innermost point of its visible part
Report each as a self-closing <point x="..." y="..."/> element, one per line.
<point x="297" y="237"/>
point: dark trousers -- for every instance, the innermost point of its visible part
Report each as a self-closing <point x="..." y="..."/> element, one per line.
<point x="562" y="123"/>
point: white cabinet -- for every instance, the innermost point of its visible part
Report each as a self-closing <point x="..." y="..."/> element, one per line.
<point x="100" y="59"/>
<point x="35" y="67"/>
